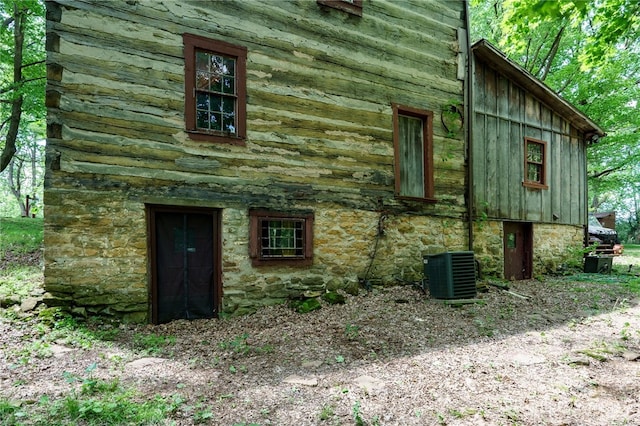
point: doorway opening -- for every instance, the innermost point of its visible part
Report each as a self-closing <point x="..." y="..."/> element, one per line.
<point x="518" y="250"/>
<point x="185" y="262"/>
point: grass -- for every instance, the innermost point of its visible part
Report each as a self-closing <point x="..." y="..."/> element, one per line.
<point x="20" y="235"/>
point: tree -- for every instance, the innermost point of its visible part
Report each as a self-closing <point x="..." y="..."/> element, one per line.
<point x="606" y="25"/>
<point x="22" y="72"/>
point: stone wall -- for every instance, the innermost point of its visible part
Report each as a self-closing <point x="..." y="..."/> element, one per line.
<point x="96" y="254"/>
<point x="553" y="246"/>
<point x="556" y="246"/>
<point x="487" y="246"/>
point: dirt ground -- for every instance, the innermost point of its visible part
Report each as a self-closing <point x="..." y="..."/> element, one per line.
<point x="562" y="351"/>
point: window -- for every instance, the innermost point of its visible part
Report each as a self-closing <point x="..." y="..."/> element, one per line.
<point x="413" y="148"/>
<point x="534" y="163"/>
<point x="280" y="238"/>
<point x="353" y="7"/>
<point x="215" y="90"/>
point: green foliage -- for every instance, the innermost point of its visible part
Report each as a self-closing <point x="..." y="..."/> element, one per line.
<point x="327" y="412"/>
<point x="305" y="306"/>
<point x="153" y="344"/>
<point x="93" y="402"/>
<point x="352" y="331"/>
<point x="334" y="298"/>
<point x="241" y="346"/>
<point x="238" y="345"/>
<point x="605" y="24"/>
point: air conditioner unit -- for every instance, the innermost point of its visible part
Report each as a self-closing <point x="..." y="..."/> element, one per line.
<point x="451" y="275"/>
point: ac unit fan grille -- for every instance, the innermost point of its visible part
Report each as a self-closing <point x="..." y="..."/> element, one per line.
<point x="451" y="275"/>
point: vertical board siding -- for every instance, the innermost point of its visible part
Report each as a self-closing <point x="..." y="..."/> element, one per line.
<point x="504" y="114"/>
<point x="320" y="84"/>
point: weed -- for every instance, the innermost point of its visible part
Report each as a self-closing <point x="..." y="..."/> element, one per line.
<point x="95" y="402"/>
<point x="461" y="414"/>
<point x="240" y="345"/>
<point x="203" y="416"/>
<point x="237" y="345"/>
<point x="153" y="344"/>
<point x="351" y="331"/>
<point x="486" y="326"/>
<point x="327" y="412"/>
<point x="339" y="359"/>
<point x="624" y="333"/>
<point x="357" y="415"/>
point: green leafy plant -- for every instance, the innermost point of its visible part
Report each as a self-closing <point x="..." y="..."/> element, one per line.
<point x="452" y="118"/>
<point x="357" y="415"/>
<point x="237" y="345"/>
<point x="351" y="331"/>
<point x="327" y="412"/>
<point x="153" y="344"/>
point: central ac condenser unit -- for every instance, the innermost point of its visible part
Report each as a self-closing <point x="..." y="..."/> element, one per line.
<point x="451" y="275"/>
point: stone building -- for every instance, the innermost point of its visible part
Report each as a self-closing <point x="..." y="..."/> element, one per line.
<point x="208" y="157"/>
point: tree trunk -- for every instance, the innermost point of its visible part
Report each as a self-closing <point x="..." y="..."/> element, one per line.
<point x="16" y="103"/>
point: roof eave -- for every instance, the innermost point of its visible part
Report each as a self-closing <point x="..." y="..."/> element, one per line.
<point x="494" y="57"/>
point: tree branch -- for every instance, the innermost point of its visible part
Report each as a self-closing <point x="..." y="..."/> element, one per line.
<point x="607" y="172"/>
<point x="33" y="63"/>
<point x="548" y="60"/>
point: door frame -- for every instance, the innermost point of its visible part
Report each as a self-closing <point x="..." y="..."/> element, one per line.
<point x="526" y="229"/>
<point x="216" y="216"/>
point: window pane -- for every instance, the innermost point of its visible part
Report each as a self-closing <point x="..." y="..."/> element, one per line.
<point x="202" y="119"/>
<point x="229" y="66"/>
<point x="534" y="152"/>
<point x="282" y="238"/>
<point x="228" y="85"/>
<point x="202" y="102"/>
<point x="229" y="123"/>
<point x="411" y="156"/>
<point x="534" y="172"/>
<point x="215" y="121"/>
<point x="202" y="61"/>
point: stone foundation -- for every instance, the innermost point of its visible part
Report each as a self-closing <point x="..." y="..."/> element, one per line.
<point x="553" y="247"/>
<point x="96" y="254"/>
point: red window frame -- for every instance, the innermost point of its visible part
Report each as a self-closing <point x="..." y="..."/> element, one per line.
<point x="427" y="154"/>
<point x="192" y="44"/>
<point x="542" y="182"/>
<point x="256" y="219"/>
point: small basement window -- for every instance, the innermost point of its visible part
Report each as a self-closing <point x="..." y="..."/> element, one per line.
<point x="535" y="164"/>
<point x="280" y="238"/>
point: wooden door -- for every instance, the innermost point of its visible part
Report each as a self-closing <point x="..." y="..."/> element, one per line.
<point x="518" y="250"/>
<point x="185" y="263"/>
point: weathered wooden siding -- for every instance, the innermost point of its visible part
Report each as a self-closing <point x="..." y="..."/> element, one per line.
<point x="504" y="114"/>
<point x="320" y="86"/>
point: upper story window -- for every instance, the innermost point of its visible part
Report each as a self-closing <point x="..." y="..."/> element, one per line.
<point x="350" y="6"/>
<point x="215" y="90"/>
<point x="413" y="149"/>
<point x="535" y="161"/>
<point x="277" y="238"/>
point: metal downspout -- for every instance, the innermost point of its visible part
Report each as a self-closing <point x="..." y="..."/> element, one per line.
<point x="468" y="94"/>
